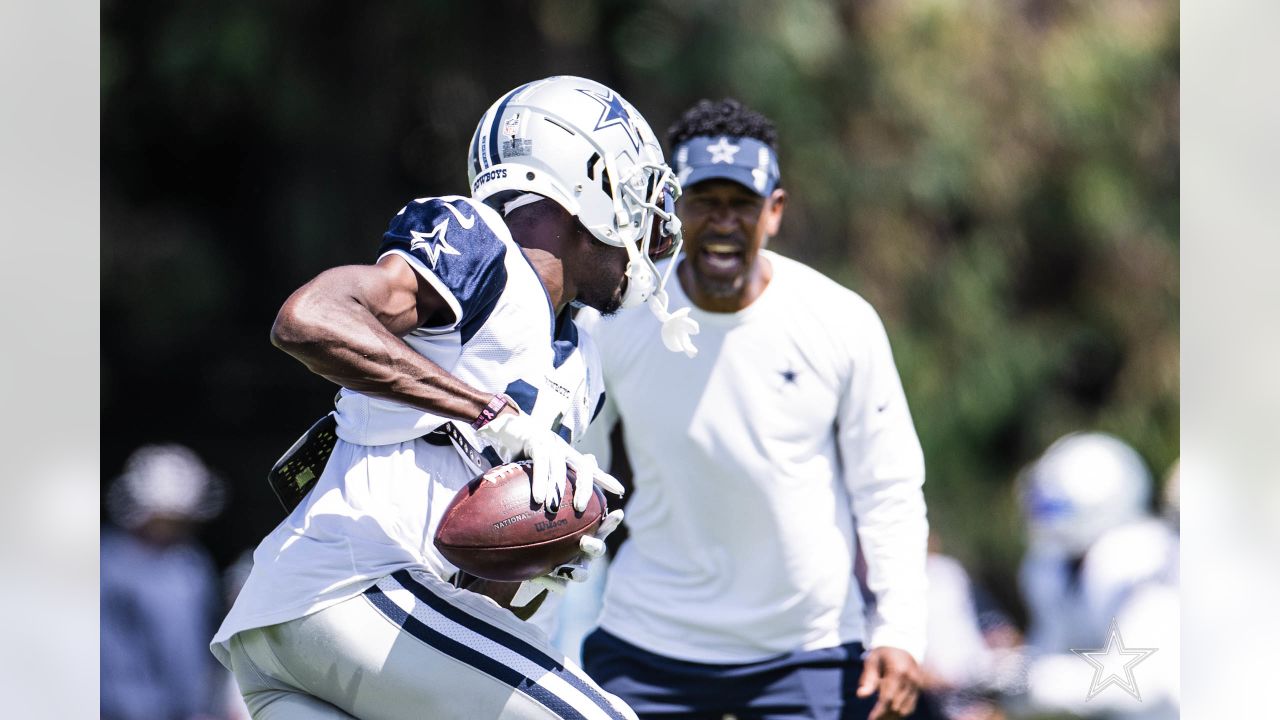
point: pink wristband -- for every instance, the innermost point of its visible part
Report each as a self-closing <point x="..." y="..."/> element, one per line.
<point x="490" y="411"/>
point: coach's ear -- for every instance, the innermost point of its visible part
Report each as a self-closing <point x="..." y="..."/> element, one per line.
<point x="771" y="215"/>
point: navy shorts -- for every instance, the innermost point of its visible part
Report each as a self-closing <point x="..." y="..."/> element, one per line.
<point x="809" y="684"/>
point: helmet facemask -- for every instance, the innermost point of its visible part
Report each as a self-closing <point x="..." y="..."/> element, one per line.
<point x="646" y="208"/>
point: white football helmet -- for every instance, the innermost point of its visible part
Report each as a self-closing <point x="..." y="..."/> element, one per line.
<point x="1082" y="486"/>
<point x="582" y="145"/>
<point x="164" y="481"/>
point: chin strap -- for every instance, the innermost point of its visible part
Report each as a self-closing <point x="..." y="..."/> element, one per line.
<point x="678" y="328"/>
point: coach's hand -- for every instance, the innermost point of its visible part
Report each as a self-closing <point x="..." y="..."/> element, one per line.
<point x="895" y="674"/>
<point x="517" y="434"/>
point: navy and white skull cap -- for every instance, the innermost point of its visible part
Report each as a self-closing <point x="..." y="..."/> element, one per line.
<point x="743" y="160"/>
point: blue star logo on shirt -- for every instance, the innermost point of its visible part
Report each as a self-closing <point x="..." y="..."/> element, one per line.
<point x="788" y="376"/>
<point x="433" y="243"/>
<point x="615" y="113"/>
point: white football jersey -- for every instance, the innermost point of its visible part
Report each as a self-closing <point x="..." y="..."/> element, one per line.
<point x="376" y="506"/>
<point x="751" y="463"/>
<point x="506" y="338"/>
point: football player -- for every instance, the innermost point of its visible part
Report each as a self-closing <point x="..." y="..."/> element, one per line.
<point x="158" y="588"/>
<point x="455" y="351"/>
<point x="792" y="426"/>
<point x="1097" y="562"/>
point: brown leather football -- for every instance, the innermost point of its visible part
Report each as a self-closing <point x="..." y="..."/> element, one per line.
<point x="493" y="530"/>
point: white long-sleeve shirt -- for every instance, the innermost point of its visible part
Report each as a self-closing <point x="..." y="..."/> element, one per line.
<point x="754" y="463"/>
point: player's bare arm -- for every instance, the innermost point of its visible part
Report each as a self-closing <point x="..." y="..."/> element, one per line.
<point x="346" y="326"/>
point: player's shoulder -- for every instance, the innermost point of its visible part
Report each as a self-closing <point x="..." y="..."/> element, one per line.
<point x="464" y="250"/>
<point x="451" y="237"/>
<point x="463" y="215"/>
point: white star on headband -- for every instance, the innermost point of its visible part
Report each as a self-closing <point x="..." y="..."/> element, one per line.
<point x="722" y="151"/>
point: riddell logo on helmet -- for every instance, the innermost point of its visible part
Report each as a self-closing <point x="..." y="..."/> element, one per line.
<point x="495" y="174"/>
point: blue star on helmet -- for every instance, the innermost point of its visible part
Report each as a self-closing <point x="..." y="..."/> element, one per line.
<point x="615" y="113"/>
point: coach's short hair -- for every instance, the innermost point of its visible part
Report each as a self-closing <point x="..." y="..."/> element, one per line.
<point x="726" y="117"/>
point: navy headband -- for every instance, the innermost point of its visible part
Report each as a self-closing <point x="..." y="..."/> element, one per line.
<point x="743" y="160"/>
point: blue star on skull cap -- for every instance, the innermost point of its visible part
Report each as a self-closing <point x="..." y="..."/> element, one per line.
<point x="744" y="160"/>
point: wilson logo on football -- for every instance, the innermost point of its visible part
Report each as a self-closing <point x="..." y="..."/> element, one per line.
<point x="549" y="525"/>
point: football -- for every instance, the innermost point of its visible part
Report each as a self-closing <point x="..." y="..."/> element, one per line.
<point x="493" y="530"/>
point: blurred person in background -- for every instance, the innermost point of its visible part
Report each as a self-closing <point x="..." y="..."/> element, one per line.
<point x="759" y="469"/>
<point x="455" y="351"/>
<point x="1097" y="555"/>
<point x="159" y="589"/>
<point x="973" y="657"/>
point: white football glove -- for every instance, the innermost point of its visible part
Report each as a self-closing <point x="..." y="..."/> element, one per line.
<point x="514" y="435"/>
<point x="591" y="546"/>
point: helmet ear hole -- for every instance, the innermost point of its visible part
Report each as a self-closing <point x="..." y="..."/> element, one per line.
<point x="529" y="176"/>
<point x="594" y="163"/>
<point x="605" y="184"/>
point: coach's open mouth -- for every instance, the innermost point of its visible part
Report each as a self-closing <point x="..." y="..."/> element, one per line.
<point x="721" y="258"/>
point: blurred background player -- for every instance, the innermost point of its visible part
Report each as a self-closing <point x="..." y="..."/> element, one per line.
<point x="974" y="656"/>
<point x="754" y="466"/>
<point x="454" y="351"/>
<point x="1096" y="555"/>
<point x="159" y="590"/>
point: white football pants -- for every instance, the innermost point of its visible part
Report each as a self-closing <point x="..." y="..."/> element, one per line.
<point x="413" y="646"/>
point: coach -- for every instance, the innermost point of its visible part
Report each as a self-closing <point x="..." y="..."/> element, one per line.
<point x="756" y="465"/>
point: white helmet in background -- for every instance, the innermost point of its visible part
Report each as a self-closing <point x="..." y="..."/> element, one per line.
<point x="582" y="145"/>
<point x="1082" y="486"/>
<point x="168" y="481"/>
